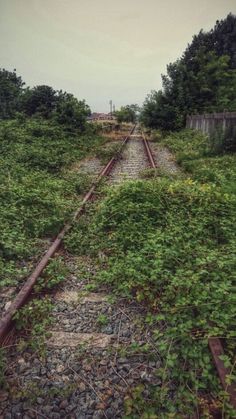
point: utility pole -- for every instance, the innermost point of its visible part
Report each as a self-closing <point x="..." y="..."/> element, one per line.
<point x="110" y="107"/>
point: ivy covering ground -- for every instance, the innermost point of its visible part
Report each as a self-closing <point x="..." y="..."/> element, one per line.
<point x="170" y="245"/>
<point x="37" y="192"/>
<point x="195" y="153"/>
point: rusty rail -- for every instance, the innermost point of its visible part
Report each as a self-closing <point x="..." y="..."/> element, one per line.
<point x="6" y="323"/>
<point x="217" y="351"/>
<point x="149" y="152"/>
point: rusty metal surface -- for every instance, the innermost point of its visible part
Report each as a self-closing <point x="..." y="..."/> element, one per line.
<point x="6" y="322"/>
<point x="149" y="153"/>
<point x="217" y="351"/>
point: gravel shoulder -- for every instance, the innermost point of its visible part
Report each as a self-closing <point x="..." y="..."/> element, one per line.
<point x="164" y="159"/>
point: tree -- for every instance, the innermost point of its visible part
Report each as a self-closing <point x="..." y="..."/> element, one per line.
<point x="202" y="80"/>
<point x="41" y="100"/>
<point x="158" y="112"/>
<point x="71" y="112"/>
<point x="215" y="83"/>
<point x="224" y="38"/>
<point x="127" y="113"/>
<point x="221" y="40"/>
<point x="10" y="91"/>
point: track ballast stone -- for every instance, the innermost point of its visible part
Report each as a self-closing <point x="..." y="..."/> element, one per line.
<point x="89" y="166"/>
<point x="131" y="163"/>
<point x="85" y="380"/>
<point x="164" y="159"/>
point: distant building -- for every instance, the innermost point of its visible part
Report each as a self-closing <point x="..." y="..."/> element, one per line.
<point x="96" y="116"/>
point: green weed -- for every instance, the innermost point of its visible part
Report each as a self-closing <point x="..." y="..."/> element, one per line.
<point x="55" y="272"/>
<point x="102" y="320"/>
<point x="34" y="318"/>
<point x="106" y="153"/>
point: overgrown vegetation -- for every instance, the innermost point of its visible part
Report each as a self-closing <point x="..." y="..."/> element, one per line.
<point x="106" y="153"/>
<point x="54" y="273"/>
<point x="198" y="155"/>
<point x="38" y="190"/>
<point x="34" y="318"/>
<point x="169" y="243"/>
<point x="223" y="140"/>
<point x="43" y="101"/>
<point x="127" y="113"/>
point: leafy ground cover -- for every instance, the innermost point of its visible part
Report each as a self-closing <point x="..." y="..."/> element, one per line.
<point x="169" y="243"/>
<point x="195" y="153"/>
<point x="37" y="191"/>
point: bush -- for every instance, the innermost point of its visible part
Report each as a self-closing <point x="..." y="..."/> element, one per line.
<point x="187" y="144"/>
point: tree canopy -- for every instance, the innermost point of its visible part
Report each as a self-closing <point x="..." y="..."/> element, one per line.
<point x="42" y="101"/>
<point x="10" y="90"/>
<point x="127" y="113"/>
<point x="202" y="80"/>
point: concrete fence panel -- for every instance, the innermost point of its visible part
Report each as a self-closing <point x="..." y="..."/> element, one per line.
<point x="208" y="123"/>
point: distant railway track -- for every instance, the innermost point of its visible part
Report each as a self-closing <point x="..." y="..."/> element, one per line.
<point x="141" y="153"/>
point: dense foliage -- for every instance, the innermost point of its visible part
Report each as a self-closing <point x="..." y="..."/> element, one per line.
<point x="170" y="245"/>
<point x="42" y="132"/>
<point x="10" y="91"/>
<point x="43" y="101"/>
<point x="37" y="190"/>
<point x="127" y="113"/>
<point x="196" y="154"/>
<point x="202" y="80"/>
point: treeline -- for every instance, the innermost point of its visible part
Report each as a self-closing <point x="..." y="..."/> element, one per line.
<point x="127" y="113"/>
<point x="202" y="80"/>
<point x="42" y="101"/>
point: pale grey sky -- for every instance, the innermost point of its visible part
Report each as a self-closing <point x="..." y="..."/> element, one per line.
<point x="101" y="49"/>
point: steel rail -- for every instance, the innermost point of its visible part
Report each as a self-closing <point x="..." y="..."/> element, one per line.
<point x="6" y="322"/>
<point x="149" y="152"/>
<point x="217" y="352"/>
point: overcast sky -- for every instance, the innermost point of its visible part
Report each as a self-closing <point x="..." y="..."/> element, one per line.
<point x="101" y="49"/>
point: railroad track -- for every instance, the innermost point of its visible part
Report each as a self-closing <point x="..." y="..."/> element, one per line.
<point x="133" y="156"/>
<point x="137" y="156"/>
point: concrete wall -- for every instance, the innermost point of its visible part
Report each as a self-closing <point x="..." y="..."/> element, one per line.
<point x="207" y="123"/>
